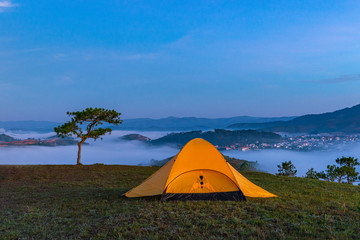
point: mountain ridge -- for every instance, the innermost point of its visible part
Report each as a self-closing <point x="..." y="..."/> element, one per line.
<point x="146" y="124"/>
<point x="346" y="120"/>
<point x="189" y="123"/>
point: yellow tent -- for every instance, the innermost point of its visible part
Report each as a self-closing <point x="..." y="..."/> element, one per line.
<point x="198" y="172"/>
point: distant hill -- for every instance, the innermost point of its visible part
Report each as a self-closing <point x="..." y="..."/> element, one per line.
<point x="242" y="165"/>
<point x="346" y="120"/>
<point x="148" y="124"/>
<point x="256" y="125"/>
<point x="219" y="137"/>
<point x="238" y="164"/>
<point x="60" y="138"/>
<point x="6" y="138"/>
<point x="189" y="123"/>
<point x="37" y="126"/>
<point x="131" y="137"/>
<point x="38" y="142"/>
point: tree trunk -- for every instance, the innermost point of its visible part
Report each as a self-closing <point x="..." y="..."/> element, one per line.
<point x="79" y="152"/>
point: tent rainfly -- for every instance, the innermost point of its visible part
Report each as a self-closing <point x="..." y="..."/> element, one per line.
<point x="198" y="172"/>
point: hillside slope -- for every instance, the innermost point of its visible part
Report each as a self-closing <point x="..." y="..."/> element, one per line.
<point x="219" y="137"/>
<point x="83" y="202"/>
<point x="6" y="138"/>
<point x="346" y="120"/>
<point x="256" y="126"/>
<point x="238" y="164"/>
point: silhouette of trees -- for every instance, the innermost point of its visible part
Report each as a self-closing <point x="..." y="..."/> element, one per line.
<point x="286" y="169"/>
<point x="343" y="171"/>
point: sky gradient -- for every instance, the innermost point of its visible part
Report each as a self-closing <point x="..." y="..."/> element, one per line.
<point x="178" y="58"/>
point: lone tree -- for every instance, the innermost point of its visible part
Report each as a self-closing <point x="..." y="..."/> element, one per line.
<point x="286" y="169"/>
<point x="83" y="125"/>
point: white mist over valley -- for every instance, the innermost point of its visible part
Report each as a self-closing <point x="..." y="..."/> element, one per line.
<point x="106" y="151"/>
<point x="111" y="150"/>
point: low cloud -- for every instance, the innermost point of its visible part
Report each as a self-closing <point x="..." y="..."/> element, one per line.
<point x="340" y="79"/>
<point x="6" y="4"/>
<point x="303" y="161"/>
<point x="109" y="151"/>
<point x="114" y="151"/>
<point x="149" y="56"/>
<point x="95" y="55"/>
<point x="65" y="80"/>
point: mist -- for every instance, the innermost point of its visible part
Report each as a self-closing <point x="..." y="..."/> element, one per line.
<point x="303" y="161"/>
<point x="106" y="151"/>
<point x="18" y="134"/>
<point x="111" y="150"/>
<point x="21" y="135"/>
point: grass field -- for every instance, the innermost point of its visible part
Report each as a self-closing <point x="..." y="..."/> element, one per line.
<point x="86" y="202"/>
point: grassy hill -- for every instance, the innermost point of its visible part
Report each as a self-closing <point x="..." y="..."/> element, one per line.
<point x="67" y="202"/>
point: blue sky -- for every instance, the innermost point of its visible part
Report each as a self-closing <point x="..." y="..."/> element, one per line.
<point x="178" y="58"/>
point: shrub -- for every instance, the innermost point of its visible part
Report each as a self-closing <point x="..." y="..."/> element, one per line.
<point x="311" y="173"/>
<point x="331" y="173"/>
<point x="286" y="169"/>
<point x="321" y="175"/>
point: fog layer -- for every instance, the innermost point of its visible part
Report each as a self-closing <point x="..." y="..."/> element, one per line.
<point x="107" y="151"/>
<point x="110" y="151"/>
<point x="269" y="159"/>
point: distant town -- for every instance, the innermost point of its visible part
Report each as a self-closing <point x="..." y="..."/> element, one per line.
<point x="297" y="143"/>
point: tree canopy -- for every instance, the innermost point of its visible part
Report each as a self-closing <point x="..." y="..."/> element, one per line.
<point x="344" y="171"/>
<point x="286" y="168"/>
<point x="84" y="124"/>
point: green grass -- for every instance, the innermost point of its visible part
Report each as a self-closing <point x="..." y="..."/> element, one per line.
<point x="86" y="202"/>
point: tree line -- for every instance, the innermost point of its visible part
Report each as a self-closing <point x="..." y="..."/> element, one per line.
<point x="343" y="171"/>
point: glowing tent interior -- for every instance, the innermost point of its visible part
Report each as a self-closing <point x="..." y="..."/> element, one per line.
<point x="198" y="172"/>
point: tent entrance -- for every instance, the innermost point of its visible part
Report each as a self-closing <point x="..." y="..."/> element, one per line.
<point x="202" y="184"/>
